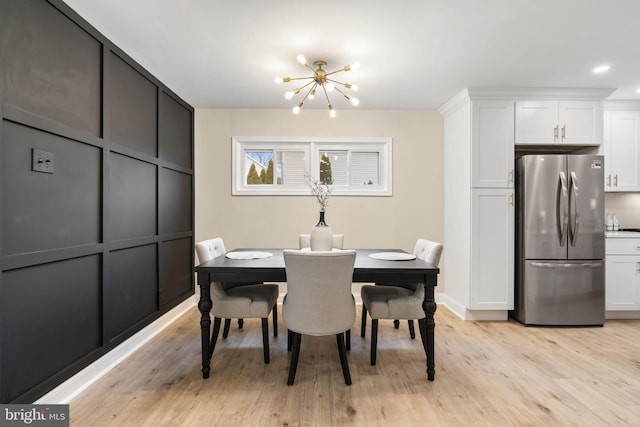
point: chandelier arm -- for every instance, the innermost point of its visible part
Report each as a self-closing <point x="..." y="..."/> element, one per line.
<point x="307" y="95"/>
<point x="300" y="78"/>
<point x="340" y="83"/>
<point x="346" y="95"/>
<point x="326" y="95"/>
<point x="337" y="71"/>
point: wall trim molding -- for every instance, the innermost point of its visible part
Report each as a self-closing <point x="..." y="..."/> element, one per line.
<point x="75" y="385"/>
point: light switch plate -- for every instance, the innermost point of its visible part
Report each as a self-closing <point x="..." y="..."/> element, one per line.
<point x="41" y="161"/>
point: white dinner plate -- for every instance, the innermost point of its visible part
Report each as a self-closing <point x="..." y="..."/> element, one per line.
<point x="248" y="255"/>
<point x="393" y="256"/>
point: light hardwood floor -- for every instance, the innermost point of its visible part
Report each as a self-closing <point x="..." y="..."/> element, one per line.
<point x="487" y="374"/>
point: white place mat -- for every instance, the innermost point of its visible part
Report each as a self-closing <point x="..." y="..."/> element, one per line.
<point x="248" y="255"/>
<point x="393" y="256"/>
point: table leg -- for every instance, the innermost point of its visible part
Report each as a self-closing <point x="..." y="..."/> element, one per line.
<point x="204" y="305"/>
<point x="429" y="306"/>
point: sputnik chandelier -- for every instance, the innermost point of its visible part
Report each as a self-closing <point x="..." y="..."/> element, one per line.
<point x="320" y="80"/>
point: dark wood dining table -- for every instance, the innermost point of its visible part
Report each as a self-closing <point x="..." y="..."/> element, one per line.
<point x="272" y="269"/>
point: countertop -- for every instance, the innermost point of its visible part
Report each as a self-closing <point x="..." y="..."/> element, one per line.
<point x="622" y="234"/>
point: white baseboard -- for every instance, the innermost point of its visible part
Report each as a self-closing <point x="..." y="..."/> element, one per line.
<point x="622" y="315"/>
<point x="455" y="307"/>
<point x="75" y="385"/>
<point x="464" y="313"/>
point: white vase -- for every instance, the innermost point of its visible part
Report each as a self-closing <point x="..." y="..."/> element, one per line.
<point x="321" y="236"/>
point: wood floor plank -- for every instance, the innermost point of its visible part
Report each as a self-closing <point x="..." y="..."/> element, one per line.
<point x="487" y="374"/>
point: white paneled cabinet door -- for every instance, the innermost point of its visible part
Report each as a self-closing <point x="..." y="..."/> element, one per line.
<point x="536" y="122"/>
<point x="622" y="283"/>
<point x="492" y="144"/>
<point x="492" y="246"/>
<point x="580" y="122"/>
<point x="558" y="122"/>
<point x="622" y="151"/>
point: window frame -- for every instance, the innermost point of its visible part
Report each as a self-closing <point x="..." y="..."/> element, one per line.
<point x="313" y="147"/>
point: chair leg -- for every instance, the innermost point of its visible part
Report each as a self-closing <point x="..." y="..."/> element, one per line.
<point x="374" y="340"/>
<point x="240" y="323"/>
<point x="343" y="359"/>
<point x="412" y="331"/>
<point x="275" y="320"/>
<point x="363" y="325"/>
<point x="227" y="325"/>
<point x="347" y="337"/>
<point x="289" y="339"/>
<point x="214" y="335"/>
<point x="396" y="324"/>
<point x="265" y="338"/>
<point x="293" y="365"/>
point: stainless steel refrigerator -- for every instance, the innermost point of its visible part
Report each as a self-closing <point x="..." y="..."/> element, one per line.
<point x="559" y="240"/>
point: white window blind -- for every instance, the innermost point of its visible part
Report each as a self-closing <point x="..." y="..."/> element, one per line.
<point x="365" y="168"/>
<point x="293" y="167"/>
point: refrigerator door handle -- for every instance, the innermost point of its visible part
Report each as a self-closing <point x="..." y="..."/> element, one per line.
<point x="567" y="264"/>
<point x="574" y="221"/>
<point x="561" y="213"/>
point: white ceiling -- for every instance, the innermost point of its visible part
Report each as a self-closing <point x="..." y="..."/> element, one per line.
<point x="413" y="54"/>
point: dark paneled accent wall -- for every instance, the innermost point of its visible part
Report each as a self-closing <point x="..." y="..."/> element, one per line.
<point x="103" y="246"/>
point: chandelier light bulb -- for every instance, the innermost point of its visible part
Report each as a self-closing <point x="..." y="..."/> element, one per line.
<point x="332" y="112"/>
<point x="329" y="87"/>
<point x="296" y="109"/>
<point x="354" y="88"/>
<point x="301" y="59"/>
<point x="278" y="80"/>
<point x="288" y="95"/>
<point x="355" y="102"/>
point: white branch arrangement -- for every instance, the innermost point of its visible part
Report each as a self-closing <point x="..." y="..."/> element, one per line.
<point x="320" y="190"/>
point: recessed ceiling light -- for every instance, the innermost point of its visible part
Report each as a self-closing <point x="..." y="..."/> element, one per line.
<point x="601" y="69"/>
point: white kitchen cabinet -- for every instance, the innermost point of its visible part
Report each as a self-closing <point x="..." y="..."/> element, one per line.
<point x="622" y="274"/>
<point x="543" y="122"/>
<point x="478" y="189"/>
<point x="492" y="246"/>
<point x="492" y="144"/>
<point x="479" y="148"/>
<point x="621" y="149"/>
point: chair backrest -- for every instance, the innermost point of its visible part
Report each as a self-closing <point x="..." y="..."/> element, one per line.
<point x="428" y="251"/>
<point x="304" y="241"/>
<point x="209" y="249"/>
<point x="319" y="299"/>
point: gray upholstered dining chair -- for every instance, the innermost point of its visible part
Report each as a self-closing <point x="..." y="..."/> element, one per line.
<point x="243" y="301"/>
<point x="395" y="301"/>
<point x="319" y="300"/>
<point x="304" y="241"/>
<point x="211" y="248"/>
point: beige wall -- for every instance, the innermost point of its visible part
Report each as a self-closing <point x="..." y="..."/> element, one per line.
<point x="415" y="209"/>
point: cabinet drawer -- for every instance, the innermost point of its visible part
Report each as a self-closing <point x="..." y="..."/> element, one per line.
<point x="622" y="246"/>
